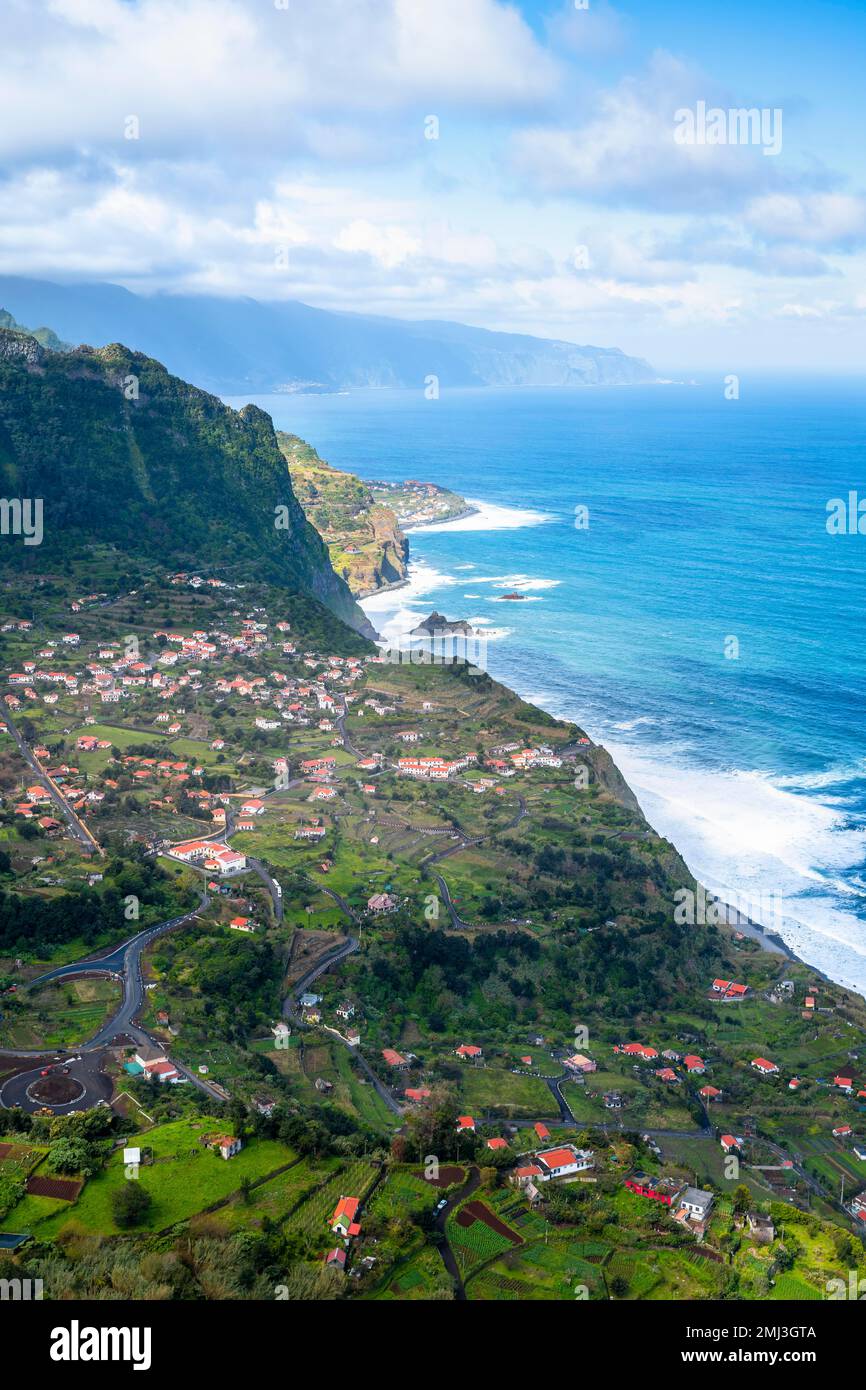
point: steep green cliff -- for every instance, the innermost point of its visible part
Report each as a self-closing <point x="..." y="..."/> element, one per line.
<point x="121" y="452"/>
<point x="363" y="537"/>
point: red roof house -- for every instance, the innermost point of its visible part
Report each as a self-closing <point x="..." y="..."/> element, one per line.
<point x="394" y="1059"/>
<point x="343" y="1221"/>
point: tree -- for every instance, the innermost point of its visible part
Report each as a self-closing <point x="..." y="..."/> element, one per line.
<point x="70" y="1156"/>
<point x="129" y="1204"/>
<point x="742" y="1198"/>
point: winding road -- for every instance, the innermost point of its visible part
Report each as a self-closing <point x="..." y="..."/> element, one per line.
<point x="123" y="962"/>
<point x="457" y="921"/>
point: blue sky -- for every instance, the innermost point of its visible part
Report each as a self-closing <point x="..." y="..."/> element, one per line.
<point x="278" y="148"/>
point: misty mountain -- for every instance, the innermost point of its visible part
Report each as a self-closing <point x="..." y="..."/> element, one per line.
<point x="233" y="346"/>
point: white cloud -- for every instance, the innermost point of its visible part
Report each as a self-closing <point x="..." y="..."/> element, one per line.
<point x="828" y="220"/>
<point x="206" y="74"/>
<point x="390" y="246"/>
<point x="622" y="150"/>
<point x="301" y="131"/>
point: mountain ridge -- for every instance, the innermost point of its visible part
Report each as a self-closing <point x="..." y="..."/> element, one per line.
<point x="235" y="345"/>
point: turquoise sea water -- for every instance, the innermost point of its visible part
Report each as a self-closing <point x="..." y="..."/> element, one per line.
<point x="706" y="523"/>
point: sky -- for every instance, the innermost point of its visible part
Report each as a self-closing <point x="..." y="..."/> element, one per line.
<point x="537" y="166"/>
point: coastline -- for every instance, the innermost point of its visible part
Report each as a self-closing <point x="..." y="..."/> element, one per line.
<point x="439" y="521"/>
<point x="382" y="589"/>
<point x="416" y="526"/>
<point x="769" y="938"/>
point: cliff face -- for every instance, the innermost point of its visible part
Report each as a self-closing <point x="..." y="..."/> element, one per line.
<point x="366" y="546"/>
<point x="18" y="346"/>
<point x="123" y="453"/>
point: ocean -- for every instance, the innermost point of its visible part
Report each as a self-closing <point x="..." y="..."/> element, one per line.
<point x="685" y="604"/>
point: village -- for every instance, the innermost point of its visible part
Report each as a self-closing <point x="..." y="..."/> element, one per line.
<point x="316" y="797"/>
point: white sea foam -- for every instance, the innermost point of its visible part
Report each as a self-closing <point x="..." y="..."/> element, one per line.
<point x="754" y="841"/>
<point x="490" y="633"/>
<point x="515" y="581"/>
<point x="829" y="777"/>
<point x="488" y="517"/>
<point x="421" y="580"/>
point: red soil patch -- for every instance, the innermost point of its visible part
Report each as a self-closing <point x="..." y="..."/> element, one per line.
<point x="5" y="1151"/>
<point x="447" y="1175"/>
<point x="67" y="1188"/>
<point x="477" y="1211"/>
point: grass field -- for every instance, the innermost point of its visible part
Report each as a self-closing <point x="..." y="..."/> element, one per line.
<point x="184" y="1179"/>
<point x="495" y="1090"/>
<point x="419" y="1277"/>
<point x="549" y="1270"/>
<point x="643" y="1104"/>
<point x="277" y="1197"/>
<point x="402" y="1194"/>
<point x="703" y="1159"/>
<point x="22" y="1158"/>
<point x="793" y="1289"/>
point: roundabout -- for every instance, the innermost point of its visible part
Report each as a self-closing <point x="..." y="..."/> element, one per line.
<point x="55" y="1091"/>
<point x="78" y="1085"/>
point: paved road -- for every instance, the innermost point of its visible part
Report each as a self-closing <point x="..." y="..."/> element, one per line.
<point x="340" y="723"/>
<point x="85" y="1068"/>
<point x="445" y="1250"/>
<point x="123" y="961"/>
<point x="256" y="865"/>
<point x="456" y="920"/>
<point x="76" y="825"/>
<point x="290" y="1010"/>
<point x="554" y="1085"/>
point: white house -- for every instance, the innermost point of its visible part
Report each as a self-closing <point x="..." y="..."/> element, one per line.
<point x="762" y="1065"/>
<point x="563" y="1161"/>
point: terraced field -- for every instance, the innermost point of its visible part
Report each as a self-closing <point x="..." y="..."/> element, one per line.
<point x="351" y="1180"/>
<point x="276" y="1198"/>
